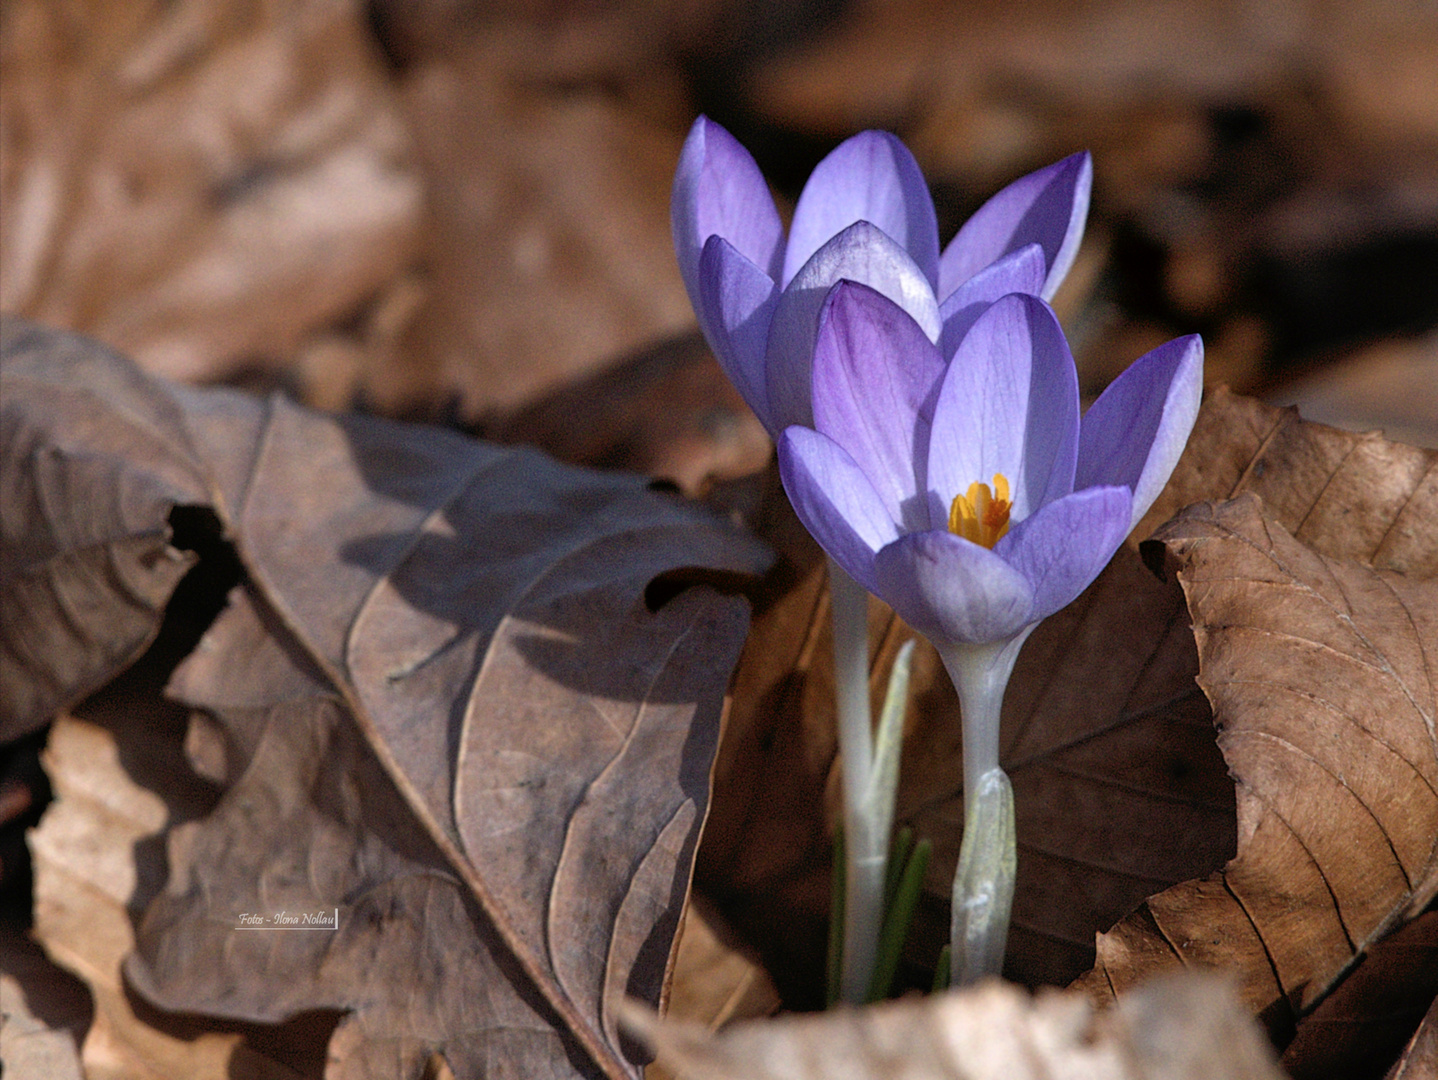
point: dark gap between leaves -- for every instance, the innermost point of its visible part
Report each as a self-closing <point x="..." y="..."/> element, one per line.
<point x="201" y="594"/>
<point x="671" y="583"/>
<point x="196" y="602"/>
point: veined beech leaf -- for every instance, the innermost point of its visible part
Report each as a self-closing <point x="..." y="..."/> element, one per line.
<point x="1322" y="674"/>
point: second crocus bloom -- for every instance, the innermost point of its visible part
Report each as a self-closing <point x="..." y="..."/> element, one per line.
<point x="865" y="215"/>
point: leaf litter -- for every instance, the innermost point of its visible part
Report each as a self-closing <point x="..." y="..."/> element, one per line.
<point x="1358" y="502"/>
<point x="440" y="701"/>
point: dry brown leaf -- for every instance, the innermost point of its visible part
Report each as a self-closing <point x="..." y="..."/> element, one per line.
<point x="550" y="138"/>
<point x="1391" y="386"/>
<point x="86" y="567"/>
<point x="202" y="185"/>
<point x="1177" y="1028"/>
<point x="668" y="411"/>
<point x="95" y="866"/>
<point x="717" y="981"/>
<point x="1323" y="691"/>
<point x="443" y="706"/>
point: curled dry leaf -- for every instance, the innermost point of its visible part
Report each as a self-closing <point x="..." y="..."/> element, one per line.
<point x="440" y="703"/>
<point x="86" y="566"/>
<point x="1172" y="1029"/>
<point x="1322" y="677"/>
<point x="202" y="185"/>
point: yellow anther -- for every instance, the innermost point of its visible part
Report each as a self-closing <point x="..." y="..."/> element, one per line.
<point x="982" y="516"/>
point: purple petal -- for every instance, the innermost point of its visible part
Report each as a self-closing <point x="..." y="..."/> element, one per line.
<point x="1064" y="546"/>
<point x="950" y="590"/>
<point x="1047" y="208"/>
<point x="860" y="253"/>
<point x="1020" y="271"/>
<point x="875" y="375"/>
<point x="719" y="191"/>
<point x="871" y="177"/>
<point x="1008" y="404"/>
<point x="1134" y="433"/>
<point x="735" y="305"/>
<point x="835" y="501"/>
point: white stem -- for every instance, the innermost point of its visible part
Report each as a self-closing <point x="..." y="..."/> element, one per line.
<point x="866" y="845"/>
<point x="984" y="879"/>
<point x="983" y="896"/>
<point x="889" y="743"/>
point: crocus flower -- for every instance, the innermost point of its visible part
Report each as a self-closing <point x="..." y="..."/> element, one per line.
<point x="865" y="215"/>
<point x="968" y="493"/>
<point x="893" y="480"/>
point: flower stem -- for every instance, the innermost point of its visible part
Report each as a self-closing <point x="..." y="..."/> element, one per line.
<point x="866" y="826"/>
<point x="984" y="880"/>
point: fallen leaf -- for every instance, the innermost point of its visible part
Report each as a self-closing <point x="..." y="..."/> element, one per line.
<point x="96" y="861"/>
<point x="443" y="706"/>
<point x="1391" y="386"/>
<point x="717" y="981"/>
<point x="549" y="138"/>
<point x="86" y="566"/>
<point x="1171" y="1029"/>
<point x="200" y="185"/>
<point x="668" y="411"/>
<point x="1325" y="704"/>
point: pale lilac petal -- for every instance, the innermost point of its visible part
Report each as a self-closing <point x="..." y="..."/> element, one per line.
<point x="719" y="191"/>
<point x="1134" y="433"/>
<point x="875" y="376"/>
<point x="1064" y="546"/>
<point x="1008" y="404"/>
<point x="735" y="306"/>
<point x="1020" y="271"/>
<point x="871" y="177"/>
<point x="835" y="501"/>
<point x="950" y="590"/>
<point x="1048" y="208"/>
<point x="860" y="253"/>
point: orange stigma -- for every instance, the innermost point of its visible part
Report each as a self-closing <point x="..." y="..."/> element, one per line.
<point x="982" y="516"/>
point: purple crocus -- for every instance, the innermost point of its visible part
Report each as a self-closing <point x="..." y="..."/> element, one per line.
<point x="894" y="477"/>
<point x="865" y="215"/>
<point x="893" y="480"/>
